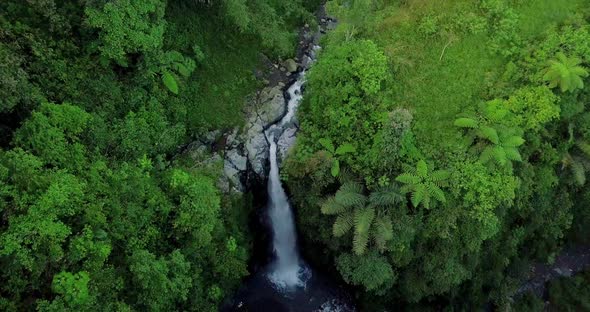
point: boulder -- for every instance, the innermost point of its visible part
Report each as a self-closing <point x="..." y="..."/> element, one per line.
<point x="269" y="107"/>
<point x="291" y="65"/>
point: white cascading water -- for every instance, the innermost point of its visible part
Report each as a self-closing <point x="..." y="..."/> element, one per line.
<point x="287" y="268"/>
<point x="288" y="271"/>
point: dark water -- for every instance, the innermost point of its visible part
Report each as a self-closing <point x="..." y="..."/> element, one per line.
<point x="258" y="294"/>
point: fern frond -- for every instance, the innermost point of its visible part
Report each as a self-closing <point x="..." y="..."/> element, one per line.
<point x="489" y="134"/>
<point x="387" y="196"/>
<point x="466" y="123"/>
<point x="350" y="195"/>
<point x="382" y="232"/>
<point x="360" y="242"/>
<point x="513" y="141"/>
<point x="440" y="176"/>
<point x="486" y="155"/>
<point x="579" y="172"/>
<point x="422" y="169"/>
<point x="331" y="207"/>
<point x="409" y="169"/>
<point x="345" y="175"/>
<point x="343" y="223"/>
<point x="436" y="192"/>
<point x="408" y="178"/>
<point x="363" y="218"/>
<point x="419" y="194"/>
<point x="584" y="147"/>
<point x="405" y="189"/>
<point x="512" y="154"/>
<point x="500" y="155"/>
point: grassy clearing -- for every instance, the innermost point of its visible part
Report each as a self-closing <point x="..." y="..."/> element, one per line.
<point x="437" y="76"/>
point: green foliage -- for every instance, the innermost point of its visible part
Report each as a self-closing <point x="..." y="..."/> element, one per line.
<point x="424" y="184"/>
<point x="335" y="153"/>
<point x="577" y="161"/>
<point x="340" y="103"/>
<point x="371" y="271"/>
<point x="534" y="107"/>
<point x="497" y="212"/>
<point x="53" y="133"/>
<point x="491" y="138"/>
<point x="566" y="73"/>
<point x="570" y="293"/>
<point x="73" y="287"/>
<point x="128" y="27"/>
<point x="366" y="216"/>
<point x="97" y="212"/>
<point x="170" y="82"/>
<point x="504" y="148"/>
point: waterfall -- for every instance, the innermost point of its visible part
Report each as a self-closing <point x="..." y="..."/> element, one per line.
<point x="287" y="283"/>
<point x="288" y="271"/>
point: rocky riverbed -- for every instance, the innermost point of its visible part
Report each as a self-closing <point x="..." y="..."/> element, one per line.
<point x="244" y="150"/>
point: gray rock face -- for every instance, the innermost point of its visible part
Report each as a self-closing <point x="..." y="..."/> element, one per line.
<point x="257" y="147"/>
<point x="266" y="109"/>
<point x="285" y="142"/>
<point x="269" y="106"/>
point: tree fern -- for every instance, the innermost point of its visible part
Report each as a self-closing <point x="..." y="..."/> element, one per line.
<point x="357" y="212"/>
<point x="566" y="73"/>
<point x="424" y="184"/>
<point x="512" y="154"/>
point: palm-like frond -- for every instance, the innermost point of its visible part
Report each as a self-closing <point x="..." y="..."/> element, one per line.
<point x="436" y="192"/>
<point x="363" y="218"/>
<point x="439" y="177"/>
<point x="331" y="207"/>
<point x="489" y="134"/>
<point x="512" y="154"/>
<point x="579" y="172"/>
<point x="386" y="197"/>
<point x="422" y="169"/>
<point x="420" y="193"/>
<point x="466" y="123"/>
<point x="408" y="178"/>
<point x="350" y="195"/>
<point x="499" y="155"/>
<point x="344" y="222"/>
<point x="487" y="154"/>
<point x="513" y="141"/>
<point x="382" y="232"/>
<point x="566" y="73"/>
